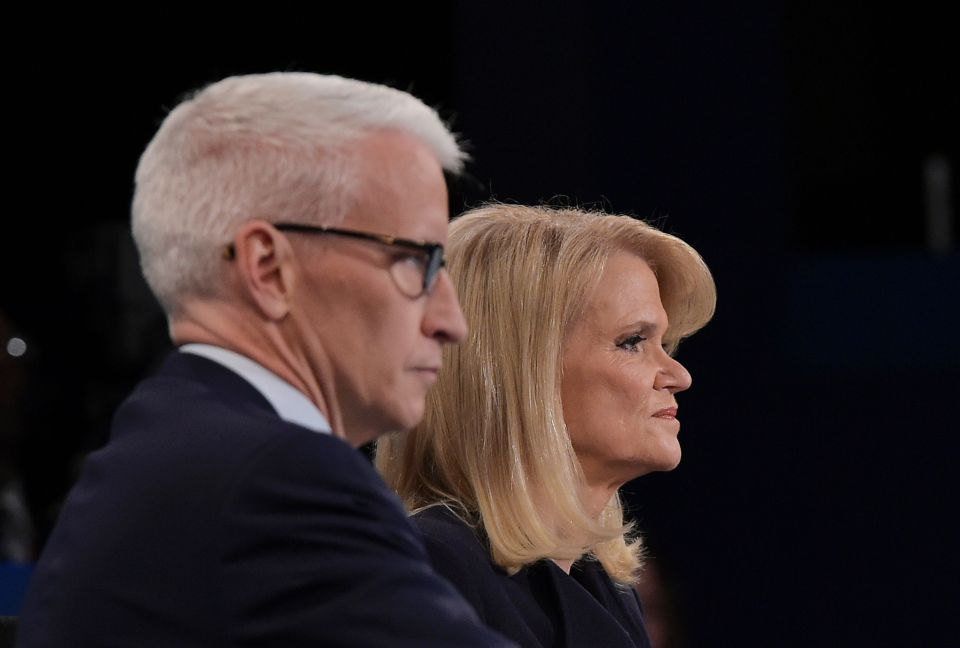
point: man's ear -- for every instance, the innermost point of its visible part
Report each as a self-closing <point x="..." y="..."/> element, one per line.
<point x="265" y="268"/>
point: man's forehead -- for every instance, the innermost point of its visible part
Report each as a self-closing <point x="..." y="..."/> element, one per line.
<point x="400" y="188"/>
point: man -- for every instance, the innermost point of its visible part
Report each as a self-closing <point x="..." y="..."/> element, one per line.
<point x="291" y="225"/>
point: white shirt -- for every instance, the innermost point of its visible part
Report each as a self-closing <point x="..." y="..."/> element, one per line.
<point x="290" y="403"/>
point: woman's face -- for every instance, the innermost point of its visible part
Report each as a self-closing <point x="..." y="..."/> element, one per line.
<point x="618" y="383"/>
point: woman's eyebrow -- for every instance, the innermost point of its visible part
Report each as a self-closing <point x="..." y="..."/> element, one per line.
<point x="644" y="326"/>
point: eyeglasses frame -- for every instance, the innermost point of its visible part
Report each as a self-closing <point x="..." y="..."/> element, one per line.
<point x="433" y="251"/>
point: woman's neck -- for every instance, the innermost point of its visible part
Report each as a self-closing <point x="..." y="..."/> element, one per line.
<point x="595" y="500"/>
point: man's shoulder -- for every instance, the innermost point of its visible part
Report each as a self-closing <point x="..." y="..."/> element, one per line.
<point x="203" y="425"/>
<point x="300" y="458"/>
<point x="198" y="402"/>
<point x="188" y="384"/>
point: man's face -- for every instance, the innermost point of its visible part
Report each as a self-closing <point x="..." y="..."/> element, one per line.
<point x="375" y="350"/>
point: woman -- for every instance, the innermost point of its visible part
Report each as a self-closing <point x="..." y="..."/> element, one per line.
<point x="564" y="391"/>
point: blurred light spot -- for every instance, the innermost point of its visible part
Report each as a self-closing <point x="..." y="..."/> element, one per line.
<point x="16" y="347"/>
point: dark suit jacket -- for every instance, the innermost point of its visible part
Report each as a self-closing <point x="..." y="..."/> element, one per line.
<point x="206" y="520"/>
<point x="540" y="605"/>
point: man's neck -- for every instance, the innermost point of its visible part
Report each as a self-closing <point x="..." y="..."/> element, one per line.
<point x="228" y="327"/>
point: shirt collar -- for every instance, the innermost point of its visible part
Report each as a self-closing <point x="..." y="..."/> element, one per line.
<point x="290" y="403"/>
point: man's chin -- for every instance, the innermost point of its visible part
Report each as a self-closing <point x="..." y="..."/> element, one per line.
<point x="403" y="420"/>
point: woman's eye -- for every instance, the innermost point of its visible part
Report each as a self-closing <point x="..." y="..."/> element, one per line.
<point x="631" y="343"/>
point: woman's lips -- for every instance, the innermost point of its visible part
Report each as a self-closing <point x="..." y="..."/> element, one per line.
<point x="666" y="413"/>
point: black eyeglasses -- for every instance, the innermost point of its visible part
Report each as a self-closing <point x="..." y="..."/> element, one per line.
<point x="414" y="275"/>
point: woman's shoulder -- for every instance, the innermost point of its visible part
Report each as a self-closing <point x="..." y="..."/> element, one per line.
<point x="446" y="532"/>
<point x="459" y="554"/>
<point x="442" y="517"/>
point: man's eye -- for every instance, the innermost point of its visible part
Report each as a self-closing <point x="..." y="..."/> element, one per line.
<point x="631" y="343"/>
<point x="415" y="259"/>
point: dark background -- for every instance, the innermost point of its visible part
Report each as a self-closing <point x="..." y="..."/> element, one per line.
<point x="786" y="141"/>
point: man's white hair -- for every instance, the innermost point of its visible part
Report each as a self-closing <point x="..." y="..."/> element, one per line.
<point x="269" y="146"/>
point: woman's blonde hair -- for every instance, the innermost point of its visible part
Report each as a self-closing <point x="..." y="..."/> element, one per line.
<point x="493" y="445"/>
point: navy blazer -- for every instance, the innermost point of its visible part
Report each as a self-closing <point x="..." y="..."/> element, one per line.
<point x="206" y="520"/>
<point x="540" y="605"/>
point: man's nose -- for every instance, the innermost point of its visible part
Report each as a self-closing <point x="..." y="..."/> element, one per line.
<point x="443" y="319"/>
